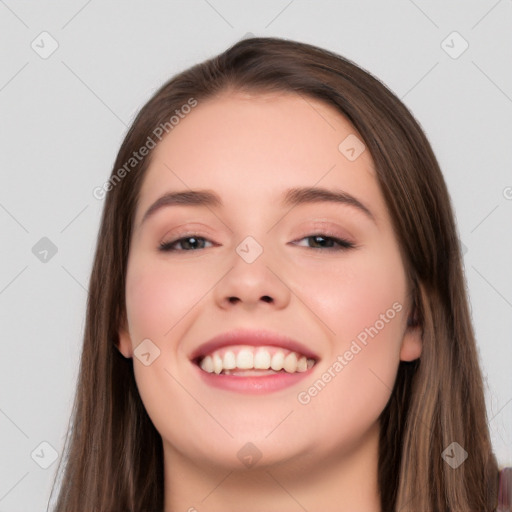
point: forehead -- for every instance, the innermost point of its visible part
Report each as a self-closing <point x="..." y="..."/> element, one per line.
<point x="248" y="147"/>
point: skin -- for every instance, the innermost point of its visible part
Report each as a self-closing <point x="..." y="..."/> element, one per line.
<point x="322" y="455"/>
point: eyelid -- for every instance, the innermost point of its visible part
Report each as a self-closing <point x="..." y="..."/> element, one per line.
<point x="312" y="228"/>
<point x="186" y="230"/>
<point x="327" y="228"/>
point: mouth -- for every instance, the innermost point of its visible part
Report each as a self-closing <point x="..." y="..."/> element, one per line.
<point x="253" y="361"/>
<point x="249" y="361"/>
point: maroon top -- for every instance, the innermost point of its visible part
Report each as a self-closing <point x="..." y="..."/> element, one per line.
<point x="505" y="491"/>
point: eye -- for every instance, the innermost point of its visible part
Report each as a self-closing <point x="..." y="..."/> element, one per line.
<point x="190" y="242"/>
<point x="326" y="242"/>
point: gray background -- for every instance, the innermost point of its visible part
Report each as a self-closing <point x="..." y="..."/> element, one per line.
<point x="63" y="118"/>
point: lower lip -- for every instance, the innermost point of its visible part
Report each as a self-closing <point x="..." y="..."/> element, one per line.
<point x="253" y="385"/>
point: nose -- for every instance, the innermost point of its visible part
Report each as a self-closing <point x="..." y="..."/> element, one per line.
<point x="251" y="284"/>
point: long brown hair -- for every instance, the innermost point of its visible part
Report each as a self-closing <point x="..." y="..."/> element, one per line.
<point x="113" y="453"/>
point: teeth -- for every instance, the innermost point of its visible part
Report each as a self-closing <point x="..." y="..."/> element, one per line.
<point x="229" y="360"/>
<point x="207" y="364"/>
<point x="217" y="364"/>
<point x="262" y="360"/>
<point x="245" y="359"/>
<point x="302" y="364"/>
<point x="290" y="363"/>
<point x="256" y="359"/>
<point x="277" y="361"/>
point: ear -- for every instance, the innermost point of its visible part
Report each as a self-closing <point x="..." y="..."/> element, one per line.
<point x="412" y="342"/>
<point x="124" y="344"/>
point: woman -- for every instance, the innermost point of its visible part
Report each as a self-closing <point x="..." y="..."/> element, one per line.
<point x="277" y="317"/>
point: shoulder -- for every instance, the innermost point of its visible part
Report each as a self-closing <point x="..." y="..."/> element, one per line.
<point x="505" y="490"/>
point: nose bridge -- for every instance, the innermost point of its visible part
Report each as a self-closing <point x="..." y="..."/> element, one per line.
<point x="250" y="249"/>
<point x="252" y="262"/>
<point x="253" y="275"/>
<point x="251" y="230"/>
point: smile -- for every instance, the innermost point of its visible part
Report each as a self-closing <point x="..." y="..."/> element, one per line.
<point x="245" y="360"/>
<point x="252" y="361"/>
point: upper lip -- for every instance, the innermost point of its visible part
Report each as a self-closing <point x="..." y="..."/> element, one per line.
<point x="251" y="337"/>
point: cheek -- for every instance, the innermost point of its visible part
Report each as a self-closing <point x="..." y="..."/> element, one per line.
<point x="158" y="295"/>
<point x="351" y="294"/>
<point x="372" y="310"/>
<point x="361" y="305"/>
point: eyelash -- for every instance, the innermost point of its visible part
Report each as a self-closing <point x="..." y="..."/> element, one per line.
<point x="342" y="243"/>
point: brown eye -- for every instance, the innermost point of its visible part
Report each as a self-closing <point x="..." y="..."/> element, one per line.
<point x="188" y="243"/>
<point x="328" y="242"/>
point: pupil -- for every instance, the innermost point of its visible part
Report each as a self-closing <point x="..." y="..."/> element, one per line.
<point x="319" y="239"/>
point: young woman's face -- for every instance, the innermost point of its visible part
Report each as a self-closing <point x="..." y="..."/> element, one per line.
<point x="264" y="258"/>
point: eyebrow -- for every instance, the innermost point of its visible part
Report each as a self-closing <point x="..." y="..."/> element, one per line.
<point x="291" y="197"/>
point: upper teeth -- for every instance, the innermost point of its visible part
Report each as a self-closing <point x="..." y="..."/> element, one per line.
<point x="259" y="358"/>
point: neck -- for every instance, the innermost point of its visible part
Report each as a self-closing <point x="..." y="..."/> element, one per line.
<point x="337" y="482"/>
